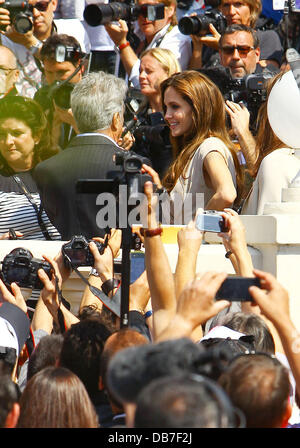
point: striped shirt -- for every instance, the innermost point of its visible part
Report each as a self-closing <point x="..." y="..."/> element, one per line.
<point x="18" y="213"/>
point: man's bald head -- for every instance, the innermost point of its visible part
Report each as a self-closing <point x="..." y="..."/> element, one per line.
<point x="9" y="72"/>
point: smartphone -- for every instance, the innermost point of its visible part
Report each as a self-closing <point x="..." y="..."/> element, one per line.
<point x="210" y="221"/>
<point x="236" y="289"/>
<point x="137" y="266"/>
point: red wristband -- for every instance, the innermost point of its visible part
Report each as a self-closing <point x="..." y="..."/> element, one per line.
<point x="122" y="46"/>
<point x="151" y="232"/>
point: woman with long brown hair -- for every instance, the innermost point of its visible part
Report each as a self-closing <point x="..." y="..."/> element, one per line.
<point x="276" y="164"/>
<point x="56" y="398"/>
<point x="205" y="160"/>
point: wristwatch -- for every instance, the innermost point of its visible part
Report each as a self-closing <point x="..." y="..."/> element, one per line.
<point x="35" y="48"/>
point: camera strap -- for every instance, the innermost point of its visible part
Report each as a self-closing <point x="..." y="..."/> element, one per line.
<point x="60" y="316"/>
<point x="112" y="303"/>
<point x="38" y="210"/>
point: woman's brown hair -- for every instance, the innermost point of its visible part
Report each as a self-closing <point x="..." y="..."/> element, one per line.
<point x="208" y="120"/>
<point x="266" y="140"/>
<point x="31" y="113"/>
<point x="56" y="398"/>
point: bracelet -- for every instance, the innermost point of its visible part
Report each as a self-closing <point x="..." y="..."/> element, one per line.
<point x="227" y="255"/>
<point x="148" y="314"/>
<point x="109" y="285"/>
<point x="122" y="46"/>
<point x="151" y="232"/>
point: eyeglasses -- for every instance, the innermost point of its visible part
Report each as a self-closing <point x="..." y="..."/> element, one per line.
<point x="41" y="6"/>
<point x="242" y="49"/>
<point x="6" y="71"/>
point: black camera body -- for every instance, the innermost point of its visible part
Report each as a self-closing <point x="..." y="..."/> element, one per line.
<point x="21" y="267"/>
<point x="59" y="92"/>
<point x="20" y="14"/>
<point x="77" y="251"/>
<point x="101" y="14"/>
<point x="250" y="90"/>
<point x="131" y="172"/>
<point x="200" y="23"/>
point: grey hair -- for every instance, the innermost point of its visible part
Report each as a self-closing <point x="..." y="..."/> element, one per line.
<point x="95" y="100"/>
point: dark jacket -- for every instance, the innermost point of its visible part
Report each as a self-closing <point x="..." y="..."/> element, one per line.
<point x="87" y="157"/>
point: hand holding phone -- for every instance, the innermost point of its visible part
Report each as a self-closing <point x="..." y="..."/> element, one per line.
<point x="236" y="289"/>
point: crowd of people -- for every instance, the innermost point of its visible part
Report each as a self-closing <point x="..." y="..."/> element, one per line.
<point x="88" y="112"/>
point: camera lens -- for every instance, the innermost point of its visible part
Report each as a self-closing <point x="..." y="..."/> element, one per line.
<point x="62" y="96"/>
<point x="22" y="24"/>
<point x="189" y="25"/>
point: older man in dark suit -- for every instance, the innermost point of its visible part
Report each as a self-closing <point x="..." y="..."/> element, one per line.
<point x="97" y="104"/>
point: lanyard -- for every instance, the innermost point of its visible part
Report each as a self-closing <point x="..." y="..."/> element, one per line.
<point x="37" y="210"/>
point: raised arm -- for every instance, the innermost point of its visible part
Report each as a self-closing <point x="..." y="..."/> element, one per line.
<point x="235" y="243"/>
<point x="240" y="119"/>
<point x="118" y="33"/>
<point x="189" y="241"/>
<point x="50" y="295"/>
<point x="196" y="305"/>
<point x="159" y="274"/>
<point x="274" y="304"/>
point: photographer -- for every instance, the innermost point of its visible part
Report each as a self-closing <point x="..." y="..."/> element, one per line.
<point x="63" y="63"/>
<point x="161" y="33"/>
<point x="25" y="42"/>
<point x="239" y="51"/>
<point x="236" y="12"/>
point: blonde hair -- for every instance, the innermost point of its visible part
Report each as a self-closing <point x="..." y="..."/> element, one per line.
<point x="166" y="58"/>
<point x="255" y="7"/>
<point x="208" y="120"/>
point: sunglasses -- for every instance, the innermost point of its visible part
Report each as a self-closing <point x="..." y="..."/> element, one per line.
<point x="242" y="49"/>
<point x="41" y="6"/>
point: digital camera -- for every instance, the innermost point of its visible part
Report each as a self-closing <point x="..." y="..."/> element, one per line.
<point x="100" y="14"/>
<point x="20" y="267"/>
<point x="210" y="221"/>
<point x="20" y="14"/>
<point x="77" y="251"/>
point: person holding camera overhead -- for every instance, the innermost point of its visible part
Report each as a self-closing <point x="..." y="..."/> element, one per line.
<point x="245" y="12"/>
<point x="25" y="27"/>
<point x="206" y="162"/>
<point x="152" y="136"/>
<point x="161" y="33"/>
